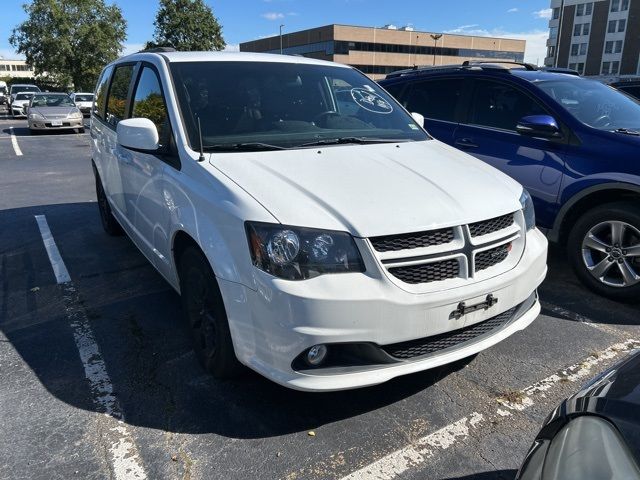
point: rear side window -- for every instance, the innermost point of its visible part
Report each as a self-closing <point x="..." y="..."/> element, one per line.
<point x="118" y="94"/>
<point x="148" y="102"/>
<point x="101" y="92"/>
<point x="435" y="99"/>
<point x="498" y="105"/>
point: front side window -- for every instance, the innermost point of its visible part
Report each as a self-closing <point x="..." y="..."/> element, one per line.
<point x="498" y="105"/>
<point x="266" y="105"/>
<point x="594" y="103"/>
<point x="101" y="92"/>
<point x="435" y="99"/>
<point x="148" y="101"/>
<point x="118" y="92"/>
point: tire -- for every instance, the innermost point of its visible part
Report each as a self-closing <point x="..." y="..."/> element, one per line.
<point x="109" y="222"/>
<point x="205" y="315"/>
<point x="604" y="250"/>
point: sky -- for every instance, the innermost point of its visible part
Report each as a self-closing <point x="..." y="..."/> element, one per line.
<point x="244" y="20"/>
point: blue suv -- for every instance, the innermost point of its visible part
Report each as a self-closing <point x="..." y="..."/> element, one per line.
<point x="573" y="143"/>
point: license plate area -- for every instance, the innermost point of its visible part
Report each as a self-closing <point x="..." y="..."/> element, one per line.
<point x="464" y="309"/>
<point x="56" y="123"/>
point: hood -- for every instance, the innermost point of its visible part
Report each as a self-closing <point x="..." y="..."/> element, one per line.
<point x="372" y="190"/>
<point x="53" y="112"/>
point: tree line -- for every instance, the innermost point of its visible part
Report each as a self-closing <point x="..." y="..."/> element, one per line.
<point x="72" y="40"/>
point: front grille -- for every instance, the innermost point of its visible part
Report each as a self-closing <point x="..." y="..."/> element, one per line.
<point x="408" y="241"/>
<point x="428" y="272"/>
<point x="427" y="345"/>
<point x="489" y="226"/>
<point x="492" y="257"/>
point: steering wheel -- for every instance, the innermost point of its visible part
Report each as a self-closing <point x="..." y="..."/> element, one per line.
<point x="320" y="120"/>
<point x="601" y="121"/>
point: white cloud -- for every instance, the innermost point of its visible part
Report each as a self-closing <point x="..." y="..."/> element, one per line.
<point x="536" y="46"/>
<point x="273" y="15"/>
<point x="545" y="13"/>
<point x="512" y="10"/>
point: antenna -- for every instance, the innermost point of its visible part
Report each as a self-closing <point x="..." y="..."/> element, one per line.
<point x="201" y="157"/>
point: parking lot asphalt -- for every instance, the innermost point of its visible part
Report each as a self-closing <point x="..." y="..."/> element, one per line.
<point x="98" y="380"/>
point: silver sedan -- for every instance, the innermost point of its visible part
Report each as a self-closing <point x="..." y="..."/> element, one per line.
<point x="53" y="111"/>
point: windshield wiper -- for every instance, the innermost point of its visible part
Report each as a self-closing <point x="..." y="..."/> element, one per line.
<point x="242" y="147"/>
<point x="350" y="140"/>
<point x="626" y="131"/>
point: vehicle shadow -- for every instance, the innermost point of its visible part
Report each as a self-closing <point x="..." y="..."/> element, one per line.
<point x="136" y="321"/>
<point x="564" y="296"/>
<point x="23" y="131"/>
<point x="497" y="475"/>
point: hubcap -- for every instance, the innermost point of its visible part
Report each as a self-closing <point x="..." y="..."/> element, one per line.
<point x="611" y="253"/>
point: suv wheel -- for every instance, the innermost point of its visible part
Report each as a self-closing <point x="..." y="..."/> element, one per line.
<point x="206" y="317"/>
<point x="604" y="250"/>
<point x="109" y="223"/>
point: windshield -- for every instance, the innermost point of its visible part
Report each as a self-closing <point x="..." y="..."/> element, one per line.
<point x="594" y="103"/>
<point x="83" y="98"/>
<point x="286" y="105"/>
<point x="24" y="88"/>
<point x="24" y="96"/>
<point x="52" y="101"/>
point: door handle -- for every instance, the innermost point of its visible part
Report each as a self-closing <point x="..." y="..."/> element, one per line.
<point x="465" y="143"/>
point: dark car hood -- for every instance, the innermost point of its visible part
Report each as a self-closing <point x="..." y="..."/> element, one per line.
<point x="614" y="395"/>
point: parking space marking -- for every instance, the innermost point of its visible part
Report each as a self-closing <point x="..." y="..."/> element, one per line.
<point x="125" y="460"/>
<point x="14" y="142"/>
<point x="411" y="456"/>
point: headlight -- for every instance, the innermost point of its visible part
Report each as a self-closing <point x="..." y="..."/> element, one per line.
<point x="296" y="253"/>
<point x="74" y="115"/>
<point x="527" y="209"/>
<point x="35" y="116"/>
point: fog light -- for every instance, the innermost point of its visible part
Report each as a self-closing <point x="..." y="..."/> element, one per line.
<point x="316" y="355"/>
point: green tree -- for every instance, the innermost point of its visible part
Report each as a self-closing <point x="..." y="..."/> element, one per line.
<point x="186" y="25"/>
<point x="70" y="40"/>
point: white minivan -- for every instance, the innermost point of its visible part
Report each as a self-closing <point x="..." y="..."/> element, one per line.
<point x="315" y="231"/>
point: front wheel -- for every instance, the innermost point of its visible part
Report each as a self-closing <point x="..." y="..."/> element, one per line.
<point x="206" y="316"/>
<point x="604" y="250"/>
<point x="109" y="222"/>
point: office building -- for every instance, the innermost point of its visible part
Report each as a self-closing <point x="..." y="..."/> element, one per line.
<point x="379" y="51"/>
<point x="15" y="68"/>
<point x="599" y="38"/>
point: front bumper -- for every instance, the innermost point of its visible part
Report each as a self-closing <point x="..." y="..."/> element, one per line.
<point x="66" y="124"/>
<point x="273" y="324"/>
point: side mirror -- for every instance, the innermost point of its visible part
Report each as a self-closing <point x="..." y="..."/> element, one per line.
<point x="418" y="118"/>
<point x="139" y="134"/>
<point x="544" y="126"/>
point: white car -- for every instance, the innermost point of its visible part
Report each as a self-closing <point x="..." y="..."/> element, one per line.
<point x="323" y="240"/>
<point x="84" y="101"/>
<point x="20" y="102"/>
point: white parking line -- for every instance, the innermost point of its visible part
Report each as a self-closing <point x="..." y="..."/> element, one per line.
<point x="125" y="460"/>
<point x="411" y="456"/>
<point x="14" y="142"/>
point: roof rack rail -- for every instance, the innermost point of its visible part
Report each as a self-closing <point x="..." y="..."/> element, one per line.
<point x="568" y="71"/>
<point x="479" y="63"/>
<point x="159" y="50"/>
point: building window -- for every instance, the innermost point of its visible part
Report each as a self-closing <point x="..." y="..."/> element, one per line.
<point x="616" y="26"/>
<point x="612" y="26"/>
<point x="551" y="51"/>
<point x="615" y="5"/>
<point x="605" y="68"/>
<point x="553" y="33"/>
<point x="581" y="29"/>
<point x="615" y="68"/>
<point x="578" y="49"/>
<point x="584" y="9"/>
<point x="624" y="6"/>
<point x="622" y="24"/>
<point x="556" y="13"/>
<point x="613" y="47"/>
